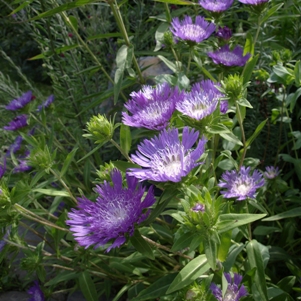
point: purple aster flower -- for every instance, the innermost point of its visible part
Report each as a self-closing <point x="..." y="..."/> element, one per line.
<point x="114" y="214"/>
<point x="241" y="184"/>
<point x="150" y="107"/>
<point x="253" y="2"/>
<point x="198" y="207"/>
<point x="166" y="158"/>
<point x="20" y="102"/>
<point x="23" y="163"/>
<point x="271" y="172"/>
<point x="216" y="5"/>
<point x="234" y="291"/>
<point x="188" y="31"/>
<point x="46" y="103"/>
<point x="17" y="123"/>
<point x="36" y="292"/>
<point x="228" y="57"/>
<point x="15" y="146"/>
<point x="224" y="33"/>
<point x="224" y="106"/>
<point x="201" y="101"/>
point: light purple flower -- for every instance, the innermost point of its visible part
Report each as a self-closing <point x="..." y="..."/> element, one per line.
<point x="17" y="123"/>
<point x="188" y="31"/>
<point x="150" y="107"/>
<point x="166" y="158"/>
<point x="15" y="146"/>
<point x="23" y="163"/>
<point x="271" y="172"/>
<point x="36" y="292"/>
<point x="253" y="2"/>
<point x="201" y="101"/>
<point x="198" y="207"/>
<point x="228" y="57"/>
<point x="113" y="215"/>
<point x="224" y="106"/>
<point x="234" y="291"/>
<point x="241" y="184"/>
<point x="216" y="5"/>
<point x="224" y="33"/>
<point x="46" y="103"/>
<point x="20" y="102"/>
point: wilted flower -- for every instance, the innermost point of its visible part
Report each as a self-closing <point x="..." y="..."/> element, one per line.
<point x="113" y="215"/>
<point x="188" y="31"/>
<point x="234" y="291"/>
<point x="150" y="107"/>
<point x="253" y="2"/>
<point x="17" y="123"/>
<point x="201" y="101"/>
<point x="241" y="184"/>
<point x="228" y="57"/>
<point x="224" y="33"/>
<point x="46" y="103"/>
<point x="216" y="5"/>
<point x="271" y="172"/>
<point x="15" y="146"/>
<point x="36" y="292"/>
<point x="166" y="158"/>
<point x="20" y="102"/>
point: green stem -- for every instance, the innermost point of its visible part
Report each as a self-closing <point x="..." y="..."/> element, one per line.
<point x="167" y="13"/>
<point x="121" y="150"/>
<point x="249" y="225"/>
<point x="240" y="121"/>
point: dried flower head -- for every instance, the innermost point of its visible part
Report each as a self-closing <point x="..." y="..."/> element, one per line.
<point x="20" y="102"/>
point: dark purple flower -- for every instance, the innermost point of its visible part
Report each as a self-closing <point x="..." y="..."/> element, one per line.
<point x="234" y="291"/>
<point x="271" y="172"/>
<point x="241" y="184"/>
<point x="15" y="146"/>
<point x="224" y="33"/>
<point x="46" y="103"/>
<point x="17" y="123"/>
<point x="228" y="57"/>
<point x="166" y="158"/>
<point x="113" y="215"/>
<point x="20" y="102"/>
<point x="201" y="101"/>
<point x="198" y="207"/>
<point x="253" y="2"/>
<point x="216" y="5"/>
<point x="22" y="167"/>
<point x="150" y="107"/>
<point x="36" y="292"/>
<point x="224" y="106"/>
<point x="188" y="31"/>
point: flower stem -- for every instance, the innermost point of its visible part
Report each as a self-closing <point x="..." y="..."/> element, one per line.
<point x="240" y="121"/>
<point x="121" y="150"/>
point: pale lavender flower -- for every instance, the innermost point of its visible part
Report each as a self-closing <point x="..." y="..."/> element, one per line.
<point x="15" y="146"/>
<point x="271" y="172"/>
<point x="228" y="57"/>
<point x="224" y="33"/>
<point x="36" y="292"/>
<point x="113" y="215"/>
<point x="253" y="2"/>
<point x="150" y="107"/>
<point x="241" y="184"/>
<point x="166" y="158"/>
<point x="198" y="207"/>
<point x="201" y="101"/>
<point x="20" y="102"/>
<point x="224" y="106"/>
<point x="216" y="5"/>
<point x="17" y="123"/>
<point x="46" y="103"/>
<point x="188" y="31"/>
<point x="235" y="289"/>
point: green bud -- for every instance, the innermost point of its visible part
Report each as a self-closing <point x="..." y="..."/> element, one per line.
<point x="261" y="75"/>
<point x="41" y="158"/>
<point x="104" y="172"/>
<point x="7" y="213"/>
<point x="100" y="129"/>
<point x="168" y="39"/>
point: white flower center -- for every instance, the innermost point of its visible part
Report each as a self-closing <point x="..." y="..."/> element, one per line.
<point x="228" y="57"/>
<point x="242" y="188"/>
<point x="192" y="31"/>
<point x="230" y="296"/>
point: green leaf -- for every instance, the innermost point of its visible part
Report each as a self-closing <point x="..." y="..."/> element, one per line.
<point x="141" y="245"/>
<point x="179" y="2"/>
<point x="231" y="138"/>
<point x="225" y="243"/>
<point x="168" y="63"/>
<point x="90" y="153"/>
<point x="256" y="261"/>
<point x="52" y="192"/>
<point x="249" y="46"/>
<point x="68" y="161"/>
<point x="22" y="6"/>
<point x="125" y="138"/>
<point x="74" y="23"/>
<point x="296" y="162"/>
<point x="247" y="73"/>
<point x="122" y="291"/>
<point x="50" y="53"/>
<point x="87" y="286"/>
<point x="159" y="35"/>
<point x="123" y="165"/>
<point x="297" y="73"/>
<point x="62" y="276"/>
<point x="270" y="12"/>
<point x="233" y="253"/>
<point x="194" y="269"/>
<point x="183" y="241"/>
<point x="211" y="247"/>
<point x="296" y="212"/>
<point x="256" y="133"/>
<point x="105" y="36"/>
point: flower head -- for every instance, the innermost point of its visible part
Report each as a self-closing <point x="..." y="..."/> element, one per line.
<point x="46" y="103"/>
<point x="15" y="146"/>
<point x="198" y="207"/>
<point x="224" y="33"/>
<point x="201" y="101"/>
<point x="17" y="123"/>
<point x="271" y="172"/>
<point x="113" y="215"/>
<point x="234" y="291"/>
<point x="23" y="163"/>
<point x="253" y="2"/>
<point x="216" y="5"/>
<point x="36" y="292"/>
<point x="150" y="107"/>
<point x="224" y="105"/>
<point x="188" y="31"/>
<point x="166" y="158"/>
<point x="241" y="184"/>
<point x="228" y="57"/>
<point x="20" y="102"/>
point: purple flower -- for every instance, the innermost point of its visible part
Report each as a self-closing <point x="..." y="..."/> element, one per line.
<point x="234" y="291"/>
<point x="23" y="163"/>
<point x="187" y="31"/>
<point x="114" y="214"/>
<point x="241" y="184"/>
<point x="228" y="57"/>
<point x="20" y="102"/>
<point x="46" y="103"/>
<point x="17" y="123"/>
<point x="15" y="146"/>
<point x="201" y="101"/>
<point x="36" y="292"/>
<point x="2" y="168"/>
<point x="224" y="106"/>
<point x="224" y="33"/>
<point x="271" y="172"/>
<point x="253" y="2"/>
<point x="216" y="5"/>
<point x="198" y="207"/>
<point x="166" y="158"/>
<point x="150" y="107"/>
